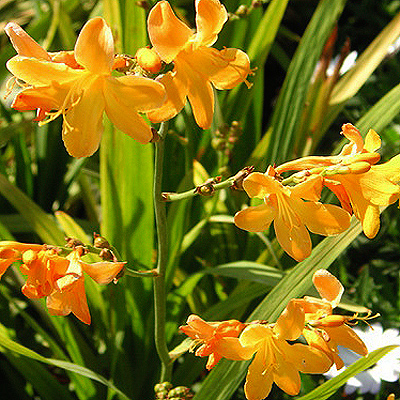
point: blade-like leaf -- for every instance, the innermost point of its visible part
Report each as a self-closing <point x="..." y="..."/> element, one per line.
<point x="41" y="223"/>
<point x="328" y="388"/>
<point x="351" y="82"/>
<point x="227" y="375"/>
<point x="22" y="350"/>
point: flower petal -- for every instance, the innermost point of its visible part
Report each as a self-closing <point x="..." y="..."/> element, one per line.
<point x="83" y="123"/>
<point x="47" y="97"/>
<point x="255" y="219"/>
<point x="324" y="219"/>
<point x="258" y="380"/>
<point x="41" y="73"/>
<point x="176" y="87"/>
<point x="136" y="92"/>
<point x="371" y="221"/>
<point x="211" y="15"/>
<point x="224" y="68"/>
<point x="260" y="185"/>
<point x="295" y="240"/>
<point x="345" y="336"/>
<point x="306" y="358"/>
<point x="23" y="43"/>
<point x="328" y="286"/>
<point x="232" y="349"/>
<point x="309" y="189"/>
<point x="290" y="323"/>
<point x="372" y="141"/>
<point x="73" y="300"/>
<point x="94" y="48"/>
<point x="201" y="98"/>
<point x="103" y="272"/>
<point x="287" y="377"/>
<point x="167" y="33"/>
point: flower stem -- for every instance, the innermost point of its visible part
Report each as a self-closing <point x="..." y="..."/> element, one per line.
<point x="208" y="188"/>
<point x="159" y="280"/>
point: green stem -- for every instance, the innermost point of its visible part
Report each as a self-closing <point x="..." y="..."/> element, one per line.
<point x="159" y="281"/>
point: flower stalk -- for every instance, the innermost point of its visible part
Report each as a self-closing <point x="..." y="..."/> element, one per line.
<point x="162" y="247"/>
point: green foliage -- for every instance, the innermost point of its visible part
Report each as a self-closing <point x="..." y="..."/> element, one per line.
<point x="213" y="269"/>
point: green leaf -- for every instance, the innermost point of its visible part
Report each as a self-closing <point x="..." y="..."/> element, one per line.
<point x="352" y="81"/>
<point x="24" y="351"/>
<point x="43" y="224"/>
<point x="223" y="380"/>
<point x="328" y="388"/>
<point x="290" y="104"/>
<point x="249" y="270"/>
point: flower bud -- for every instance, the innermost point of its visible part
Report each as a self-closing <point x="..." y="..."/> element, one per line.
<point x="149" y="60"/>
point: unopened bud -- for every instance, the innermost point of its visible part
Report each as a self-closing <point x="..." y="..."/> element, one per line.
<point x="100" y="242"/>
<point x="159" y="387"/>
<point x="359" y="167"/>
<point x="242" y="11"/>
<point x="149" y="60"/>
<point x="179" y="392"/>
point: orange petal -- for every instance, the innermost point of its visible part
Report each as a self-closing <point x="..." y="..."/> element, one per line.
<point x="83" y="123"/>
<point x="324" y="219"/>
<point x="42" y="73"/>
<point x="309" y="189"/>
<point x="371" y="221"/>
<point x="306" y="358"/>
<point x="103" y="272"/>
<point x="328" y="286"/>
<point x="66" y="57"/>
<point x="94" y="48"/>
<point x="47" y="97"/>
<point x="353" y="134"/>
<point x="295" y="240"/>
<point x="211" y="15"/>
<point x="23" y="43"/>
<point x="224" y="68"/>
<point x="372" y="141"/>
<point x="7" y="257"/>
<point x="232" y="349"/>
<point x="345" y="336"/>
<point x="255" y="219"/>
<point x="260" y="185"/>
<point x="73" y="300"/>
<point x="167" y="33"/>
<point x="176" y="87"/>
<point x="290" y="324"/>
<point x="287" y="377"/>
<point x="259" y="379"/>
<point x="201" y="98"/>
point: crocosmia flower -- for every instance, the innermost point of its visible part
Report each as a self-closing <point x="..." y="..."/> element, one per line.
<point x="214" y="339"/>
<point x="276" y="360"/>
<point x="324" y="330"/>
<point x="59" y="278"/>
<point x="82" y="94"/>
<point x="292" y="209"/>
<point x="197" y="66"/>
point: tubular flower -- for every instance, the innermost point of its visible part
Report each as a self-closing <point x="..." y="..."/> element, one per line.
<point x="81" y="95"/>
<point x="216" y="339"/>
<point x="292" y="215"/>
<point x="197" y="66"/>
<point x="357" y="151"/>
<point x="367" y="192"/>
<point x="59" y="278"/>
<point x="323" y="330"/>
<point x="276" y="360"/>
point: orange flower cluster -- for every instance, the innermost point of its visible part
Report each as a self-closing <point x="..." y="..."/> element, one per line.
<point x="59" y="278"/>
<point x="361" y="186"/>
<point x="275" y="359"/>
<point x="79" y="85"/>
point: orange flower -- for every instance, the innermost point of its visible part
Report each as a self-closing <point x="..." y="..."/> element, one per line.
<point x="197" y="66"/>
<point x="216" y="339"/>
<point x="276" y="360"/>
<point x="59" y="278"/>
<point x="82" y="95"/>
<point x="323" y="330"/>
<point x="368" y="191"/>
<point x="357" y="151"/>
<point x="292" y="215"/>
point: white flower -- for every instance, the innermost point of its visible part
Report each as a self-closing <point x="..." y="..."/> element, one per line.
<point x="386" y="369"/>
